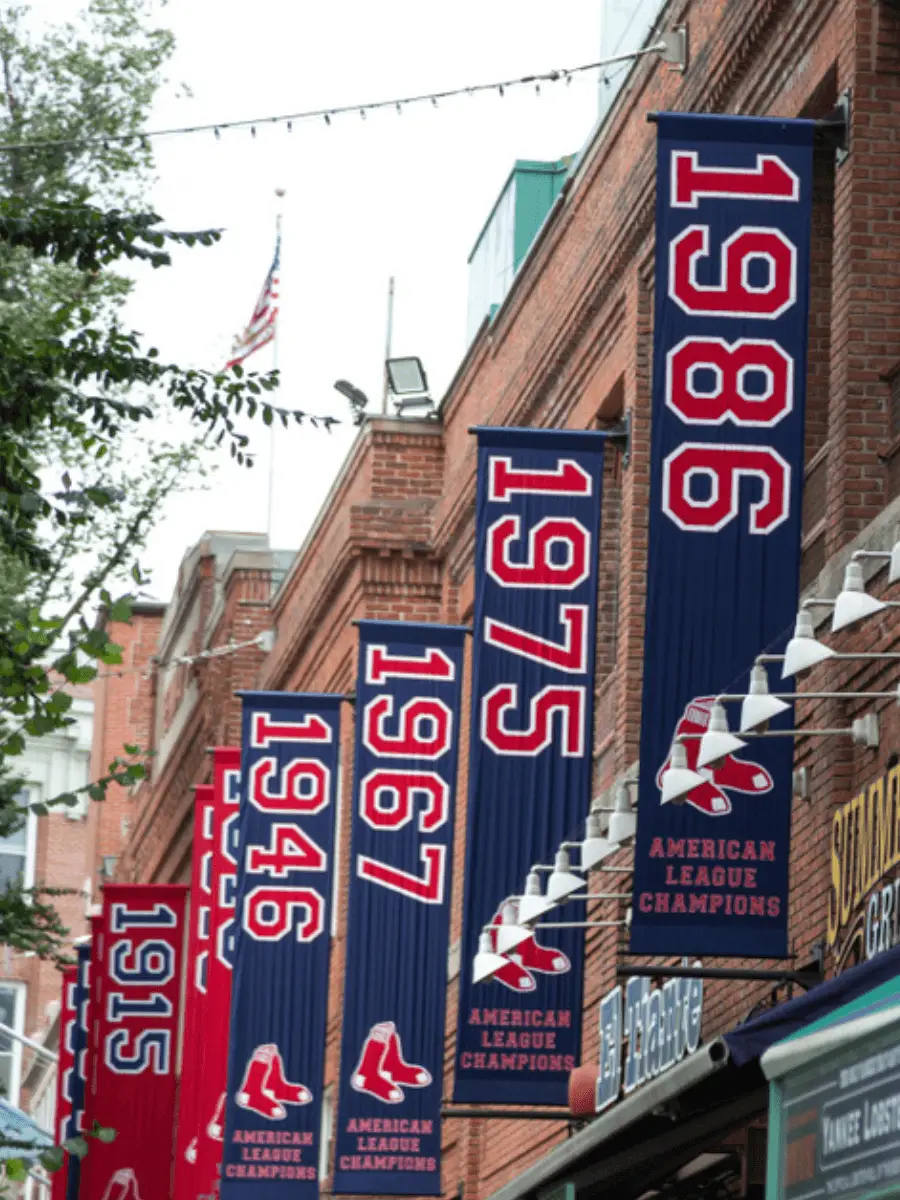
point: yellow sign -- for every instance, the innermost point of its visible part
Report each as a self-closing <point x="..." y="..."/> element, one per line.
<point x="863" y="897"/>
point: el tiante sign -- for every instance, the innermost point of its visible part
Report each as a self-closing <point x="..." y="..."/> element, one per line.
<point x="864" y="888"/>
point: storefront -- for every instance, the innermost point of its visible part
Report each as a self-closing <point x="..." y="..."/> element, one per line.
<point x="698" y="1130"/>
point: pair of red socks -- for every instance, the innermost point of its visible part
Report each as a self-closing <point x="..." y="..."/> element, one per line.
<point x="382" y="1071"/>
<point x="527" y="958"/>
<point x="265" y="1090"/>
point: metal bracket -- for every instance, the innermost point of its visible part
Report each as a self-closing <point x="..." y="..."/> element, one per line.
<point x="675" y="52"/>
<point x="834" y="129"/>
<point x="804" y="979"/>
<point x="620" y="437"/>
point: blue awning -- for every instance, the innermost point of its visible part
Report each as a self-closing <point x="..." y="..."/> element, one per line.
<point x="750" y="1040"/>
<point x="18" y="1127"/>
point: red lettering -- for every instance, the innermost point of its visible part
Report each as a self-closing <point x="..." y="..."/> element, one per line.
<point x="381" y="666"/>
<point x="386" y="799"/>
<point x="289" y="849"/>
<point x="569" y="656"/>
<point x="303" y="786"/>
<point x="567" y="702"/>
<point x="264" y="731"/>
<point x="724" y="466"/>
<point x="425" y="728"/>
<point x="269" y="913"/>
<point x="730" y="365"/>
<point x="427" y="888"/>
<point x="770" y="179"/>
<point x="552" y="539"/>
<point x="734" y="295"/>
<point x="566" y="479"/>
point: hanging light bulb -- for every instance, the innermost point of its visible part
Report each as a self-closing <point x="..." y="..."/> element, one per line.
<point x="595" y="846"/>
<point x="718" y="741"/>
<point x="759" y="706"/>
<point x="534" y="903"/>
<point x="678" y="779"/>
<point x="623" y="820"/>
<point x="804" y="650"/>
<point x="562" y="882"/>
<point x="853" y="602"/>
<point x="487" y="962"/>
<point x="509" y="933"/>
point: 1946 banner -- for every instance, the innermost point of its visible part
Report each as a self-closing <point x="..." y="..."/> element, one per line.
<point x="729" y="376"/>
<point x="280" y="979"/>
<point x="191" y="1118"/>
<point x="136" y="1024"/>
<point x="537" y="526"/>
<point x="212" y="1064"/>
<point x="404" y="789"/>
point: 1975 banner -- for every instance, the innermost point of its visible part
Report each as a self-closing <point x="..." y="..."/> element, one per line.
<point x="404" y="791"/>
<point x="729" y="377"/>
<point x="279" y="997"/>
<point x="537" y="526"/>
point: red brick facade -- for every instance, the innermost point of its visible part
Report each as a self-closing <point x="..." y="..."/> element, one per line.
<point x="571" y="346"/>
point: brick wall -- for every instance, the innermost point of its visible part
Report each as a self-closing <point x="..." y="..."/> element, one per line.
<point x="571" y="346"/>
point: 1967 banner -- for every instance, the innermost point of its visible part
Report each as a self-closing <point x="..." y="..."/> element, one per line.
<point x="729" y="377"/>
<point x="280" y="979"/>
<point x="404" y="791"/>
<point x="537" y="526"/>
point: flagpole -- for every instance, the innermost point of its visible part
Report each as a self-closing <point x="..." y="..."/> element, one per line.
<point x="279" y="192"/>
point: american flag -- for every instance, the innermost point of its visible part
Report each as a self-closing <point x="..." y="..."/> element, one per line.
<point x="261" y="326"/>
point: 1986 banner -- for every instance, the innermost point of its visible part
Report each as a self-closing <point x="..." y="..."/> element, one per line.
<point x="404" y="790"/>
<point x="135" y="1018"/>
<point x="280" y="979"/>
<point x="537" y="526"/>
<point x="729" y="376"/>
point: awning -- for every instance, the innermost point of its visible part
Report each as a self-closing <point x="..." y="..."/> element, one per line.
<point x="752" y="1039"/>
<point x="18" y="1127"/>
<point x="653" y="1123"/>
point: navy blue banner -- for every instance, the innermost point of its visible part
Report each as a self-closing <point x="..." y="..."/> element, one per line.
<point x="279" y="997"/>
<point x="729" y="379"/>
<point x="537" y="529"/>
<point x="408" y="696"/>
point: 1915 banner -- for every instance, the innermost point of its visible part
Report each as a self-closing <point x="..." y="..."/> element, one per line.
<point x="65" y="1073"/>
<point x="213" y="1064"/>
<point x="191" y="1118"/>
<point x="729" y="374"/>
<point x="137" y="1029"/>
<point x="279" y="1001"/>
<point x="401" y="855"/>
<point x="73" y="1075"/>
<point x="537" y="527"/>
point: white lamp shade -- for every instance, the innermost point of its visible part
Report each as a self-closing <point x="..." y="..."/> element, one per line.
<point x="486" y="963"/>
<point x="715" y="746"/>
<point x="593" y="851"/>
<point x="853" y="606"/>
<point x="622" y="826"/>
<point x="532" y="908"/>
<point x="756" y="710"/>
<point x="677" y="782"/>
<point x="562" y="883"/>
<point x="509" y="936"/>
<point x="894" y="572"/>
<point x="801" y="653"/>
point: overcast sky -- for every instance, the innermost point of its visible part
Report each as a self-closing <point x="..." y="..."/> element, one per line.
<point x="402" y="195"/>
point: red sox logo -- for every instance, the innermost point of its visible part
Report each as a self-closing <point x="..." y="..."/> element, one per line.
<point x="265" y="1090"/>
<point x="528" y="959"/>
<point x="382" y="1072"/>
<point x="731" y="774"/>
<point x="123" y="1185"/>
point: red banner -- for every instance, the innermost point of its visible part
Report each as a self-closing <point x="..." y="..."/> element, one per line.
<point x="136" y="1028"/>
<point x="95" y="983"/>
<point x="68" y="1017"/>
<point x="210" y="1089"/>
<point x="190" y="1118"/>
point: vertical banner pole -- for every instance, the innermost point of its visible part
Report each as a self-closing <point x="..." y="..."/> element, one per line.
<point x="530" y="759"/>
<point x="734" y="199"/>
<point x="408" y="697"/>
<point x="279" y="1006"/>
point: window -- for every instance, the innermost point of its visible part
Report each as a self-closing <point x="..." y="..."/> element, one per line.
<point x="17" y="850"/>
<point x="12" y="1014"/>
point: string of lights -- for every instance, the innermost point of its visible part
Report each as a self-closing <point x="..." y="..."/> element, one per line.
<point x="187" y="660"/>
<point x="398" y="103"/>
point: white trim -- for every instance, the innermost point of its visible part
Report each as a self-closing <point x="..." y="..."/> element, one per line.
<point x="18" y="1024"/>
<point x="794" y="1052"/>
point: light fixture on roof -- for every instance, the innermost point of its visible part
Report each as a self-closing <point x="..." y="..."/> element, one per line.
<point x="409" y="383"/>
<point x="358" y="399"/>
